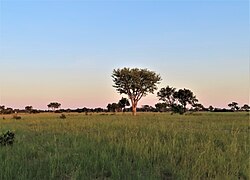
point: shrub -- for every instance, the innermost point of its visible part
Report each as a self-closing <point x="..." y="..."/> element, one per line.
<point x="62" y="116"/>
<point x="178" y="109"/>
<point x="7" y="138"/>
<point x="16" y="117"/>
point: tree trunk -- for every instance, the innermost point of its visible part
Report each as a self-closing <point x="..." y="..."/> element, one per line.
<point x="134" y="109"/>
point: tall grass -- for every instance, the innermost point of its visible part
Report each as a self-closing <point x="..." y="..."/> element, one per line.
<point x="148" y="146"/>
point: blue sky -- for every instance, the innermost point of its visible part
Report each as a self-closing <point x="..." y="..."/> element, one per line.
<point x="66" y="50"/>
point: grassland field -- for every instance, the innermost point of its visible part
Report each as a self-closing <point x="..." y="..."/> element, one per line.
<point x="148" y="146"/>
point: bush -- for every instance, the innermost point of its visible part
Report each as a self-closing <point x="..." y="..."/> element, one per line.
<point x="16" y="117"/>
<point x="178" y="109"/>
<point x="7" y="138"/>
<point x="62" y="116"/>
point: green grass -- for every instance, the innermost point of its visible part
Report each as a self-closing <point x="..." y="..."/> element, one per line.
<point x="148" y="146"/>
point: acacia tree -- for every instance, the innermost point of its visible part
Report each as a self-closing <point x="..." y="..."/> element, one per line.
<point x="136" y="83"/>
<point x="234" y="106"/>
<point x="54" y="105"/>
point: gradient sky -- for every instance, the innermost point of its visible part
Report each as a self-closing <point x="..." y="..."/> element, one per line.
<point x="65" y="51"/>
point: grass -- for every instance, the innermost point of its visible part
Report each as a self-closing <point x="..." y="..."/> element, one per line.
<point x="148" y="146"/>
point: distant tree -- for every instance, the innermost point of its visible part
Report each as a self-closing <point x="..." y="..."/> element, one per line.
<point x="210" y="108"/>
<point x="161" y="107"/>
<point x="54" y="105"/>
<point x="2" y="109"/>
<point x="145" y="108"/>
<point x="167" y="95"/>
<point x="114" y="107"/>
<point x="198" y="107"/>
<point x="98" y="110"/>
<point x="245" y="107"/>
<point x="28" y="109"/>
<point x="136" y="83"/>
<point x="109" y="107"/>
<point x="185" y="97"/>
<point x="234" y="106"/>
<point x="8" y="111"/>
<point x="123" y="102"/>
<point x="177" y="101"/>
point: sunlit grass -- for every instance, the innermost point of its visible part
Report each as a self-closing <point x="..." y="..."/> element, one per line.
<point x="148" y="146"/>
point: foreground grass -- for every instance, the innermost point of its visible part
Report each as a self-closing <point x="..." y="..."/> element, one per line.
<point x="149" y="146"/>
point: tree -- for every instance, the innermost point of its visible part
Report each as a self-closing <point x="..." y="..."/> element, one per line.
<point x="8" y="111"/>
<point x="167" y="95"/>
<point x="185" y="97"/>
<point x="2" y="108"/>
<point x="109" y="107"/>
<point x="161" y="107"/>
<point x="198" y="107"/>
<point x="136" y="83"/>
<point x="28" y="109"/>
<point x="145" y="108"/>
<point x="210" y="108"/>
<point x="113" y="107"/>
<point x="54" y="105"/>
<point x="245" y="107"/>
<point x="234" y="106"/>
<point x="123" y="102"/>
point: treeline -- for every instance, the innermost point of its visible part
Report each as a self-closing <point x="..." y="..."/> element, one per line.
<point x="121" y="107"/>
<point x="30" y="110"/>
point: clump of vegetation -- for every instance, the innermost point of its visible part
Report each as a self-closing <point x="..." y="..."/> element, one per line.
<point x="7" y="138"/>
<point x="17" y="117"/>
<point x="177" y="101"/>
<point x="176" y="108"/>
<point x="62" y="116"/>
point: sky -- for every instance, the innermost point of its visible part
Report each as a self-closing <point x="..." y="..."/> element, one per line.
<point x="65" y="51"/>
